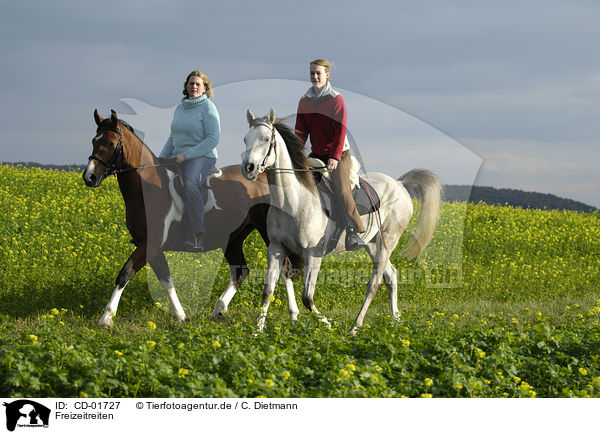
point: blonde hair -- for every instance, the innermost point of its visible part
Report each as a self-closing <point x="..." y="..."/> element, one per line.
<point x="207" y="84"/>
<point x="326" y="64"/>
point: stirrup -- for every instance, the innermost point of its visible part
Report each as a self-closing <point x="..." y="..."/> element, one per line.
<point x="353" y="241"/>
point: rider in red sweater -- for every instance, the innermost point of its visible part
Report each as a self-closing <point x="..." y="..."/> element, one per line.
<point x="322" y="116"/>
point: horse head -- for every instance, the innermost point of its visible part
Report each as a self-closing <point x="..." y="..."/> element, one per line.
<point x="107" y="151"/>
<point x="260" y="141"/>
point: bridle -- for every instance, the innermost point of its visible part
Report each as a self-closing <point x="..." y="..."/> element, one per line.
<point x="111" y="166"/>
<point x="272" y="147"/>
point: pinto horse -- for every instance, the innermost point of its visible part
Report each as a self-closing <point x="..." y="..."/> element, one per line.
<point x="297" y="222"/>
<point x="154" y="212"/>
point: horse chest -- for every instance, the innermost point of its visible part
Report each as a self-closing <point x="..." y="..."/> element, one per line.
<point x="297" y="234"/>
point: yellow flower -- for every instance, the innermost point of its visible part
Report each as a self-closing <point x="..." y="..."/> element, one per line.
<point x="216" y="344"/>
<point x="342" y="373"/>
<point x="285" y="375"/>
<point x="118" y="353"/>
<point x="457" y="386"/>
<point x="269" y="382"/>
<point x="182" y="372"/>
<point x="151" y="325"/>
<point x="151" y="344"/>
<point x="583" y="371"/>
<point x="405" y="343"/>
<point x="426" y="395"/>
<point x="428" y="382"/>
<point x="480" y="353"/>
<point x="180" y="345"/>
<point x="351" y="367"/>
<point x="54" y="311"/>
<point x="33" y="338"/>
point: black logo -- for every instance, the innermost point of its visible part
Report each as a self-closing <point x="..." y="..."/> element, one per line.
<point x="26" y="413"/>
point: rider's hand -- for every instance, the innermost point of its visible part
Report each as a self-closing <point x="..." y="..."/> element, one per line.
<point x="332" y="164"/>
<point x="180" y="158"/>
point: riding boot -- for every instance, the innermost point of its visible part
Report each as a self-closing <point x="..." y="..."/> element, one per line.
<point x="195" y="242"/>
<point x="353" y="241"/>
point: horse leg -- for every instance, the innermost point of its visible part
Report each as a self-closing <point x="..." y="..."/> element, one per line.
<point x="161" y="269"/>
<point x="286" y="275"/>
<point x="275" y="257"/>
<point x="380" y="257"/>
<point x="136" y="261"/>
<point x="313" y="265"/>
<point x="391" y="281"/>
<point x="238" y="269"/>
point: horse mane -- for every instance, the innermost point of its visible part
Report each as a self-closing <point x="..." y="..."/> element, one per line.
<point x="295" y="148"/>
<point x="107" y="124"/>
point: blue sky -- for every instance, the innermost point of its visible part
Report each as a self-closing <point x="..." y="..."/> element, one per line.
<point x="515" y="83"/>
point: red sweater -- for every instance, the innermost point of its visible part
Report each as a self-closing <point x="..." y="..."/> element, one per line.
<point x="324" y="120"/>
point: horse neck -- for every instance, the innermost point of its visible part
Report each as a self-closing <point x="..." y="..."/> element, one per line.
<point x="287" y="192"/>
<point x="136" y="155"/>
<point x="135" y="152"/>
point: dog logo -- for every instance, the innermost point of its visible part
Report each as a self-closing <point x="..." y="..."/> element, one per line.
<point x="26" y="413"/>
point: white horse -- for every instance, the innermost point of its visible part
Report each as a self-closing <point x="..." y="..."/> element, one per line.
<point x="297" y="222"/>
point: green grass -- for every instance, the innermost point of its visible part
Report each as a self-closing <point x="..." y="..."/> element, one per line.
<point x="517" y="316"/>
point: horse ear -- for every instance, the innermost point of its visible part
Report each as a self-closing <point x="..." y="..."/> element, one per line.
<point x="97" y="117"/>
<point x="250" y="116"/>
<point x="113" y="117"/>
<point x="271" y="116"/>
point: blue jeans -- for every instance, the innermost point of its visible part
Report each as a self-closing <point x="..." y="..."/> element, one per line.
<point x="195" y="172"/>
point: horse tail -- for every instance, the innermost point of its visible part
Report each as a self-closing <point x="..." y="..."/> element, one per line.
<point x="428" y="189"/>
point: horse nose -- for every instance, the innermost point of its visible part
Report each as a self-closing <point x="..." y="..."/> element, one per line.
<point x="249" y="168"/>
<point x="89" y="179"/>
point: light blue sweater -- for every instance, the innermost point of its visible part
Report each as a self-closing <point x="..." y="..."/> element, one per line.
<point x="195" y="129"/>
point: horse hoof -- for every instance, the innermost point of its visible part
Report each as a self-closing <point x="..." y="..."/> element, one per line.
<point x="106" y="321"/>
<point x="217" y="316"/>
<point x="219" y="312"/>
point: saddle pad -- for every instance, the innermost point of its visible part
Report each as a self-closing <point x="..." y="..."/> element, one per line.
<point x="366" y="199"/>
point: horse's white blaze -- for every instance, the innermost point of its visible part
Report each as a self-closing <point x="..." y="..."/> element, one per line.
<point x="90" y="168"/>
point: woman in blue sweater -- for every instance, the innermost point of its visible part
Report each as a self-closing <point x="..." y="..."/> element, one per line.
<point x="195" y="132"/>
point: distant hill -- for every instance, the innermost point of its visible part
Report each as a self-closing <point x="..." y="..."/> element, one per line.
<point x="453" y="193"/>
<point x="507" y="196"/>
<point x="75" y="167"/>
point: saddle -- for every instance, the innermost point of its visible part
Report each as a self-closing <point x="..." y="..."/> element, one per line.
<point x="366" y="199"/>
